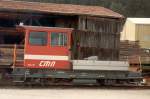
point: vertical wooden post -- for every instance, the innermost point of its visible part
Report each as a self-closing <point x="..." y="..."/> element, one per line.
<point x="14" y="55"/>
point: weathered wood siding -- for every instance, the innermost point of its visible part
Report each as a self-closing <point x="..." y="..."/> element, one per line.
<point x="103" y="45"/>
<point x="96" y="24"/>
<point x="98" y="37"/>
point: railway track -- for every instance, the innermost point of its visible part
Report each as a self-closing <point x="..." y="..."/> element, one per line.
<point x="34" y="86"/>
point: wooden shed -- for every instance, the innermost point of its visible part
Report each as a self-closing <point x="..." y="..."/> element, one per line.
<point x="101" y="25"/>
<point x="137" y="29"/>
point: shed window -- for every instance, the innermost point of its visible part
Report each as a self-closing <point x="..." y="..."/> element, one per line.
<point x="38" y="38"/>
<point x="58" y="39"/>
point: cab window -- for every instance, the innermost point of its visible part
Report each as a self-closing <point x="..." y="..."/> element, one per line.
<point x="58" y="39"/>
<point x="38" y="38"/>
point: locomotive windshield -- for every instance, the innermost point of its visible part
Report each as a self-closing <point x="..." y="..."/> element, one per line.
<point x="58" y="39"/>
<point x="38" y="38"/>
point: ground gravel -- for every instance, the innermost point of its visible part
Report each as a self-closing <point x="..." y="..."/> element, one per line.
<point x="73" y="93"/>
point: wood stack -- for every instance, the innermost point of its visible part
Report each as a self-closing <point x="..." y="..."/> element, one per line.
<point x="7" y="54"/>
<point x="145" y="56"/>
<point x="131" y="51"/>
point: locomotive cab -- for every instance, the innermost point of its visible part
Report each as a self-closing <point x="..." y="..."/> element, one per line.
<point x="47" y="47"/>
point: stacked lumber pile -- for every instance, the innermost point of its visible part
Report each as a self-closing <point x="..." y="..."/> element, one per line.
<point x="139" y="58"/>
<point x="131" y="51"/>
<point x="7" y="54"/>
<point x="145" y="56"/>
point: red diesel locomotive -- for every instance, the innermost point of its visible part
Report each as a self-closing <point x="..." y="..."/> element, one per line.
<point x="49" y="58"/>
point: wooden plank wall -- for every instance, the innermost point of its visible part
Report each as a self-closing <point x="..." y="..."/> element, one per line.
<point x="96" y="24"/>
<point x="98" y="37"/>
<point x="100" y="44"/>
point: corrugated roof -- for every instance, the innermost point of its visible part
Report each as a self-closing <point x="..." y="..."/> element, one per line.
<point x="139" y="20"/>
<point x="68" y="9"/>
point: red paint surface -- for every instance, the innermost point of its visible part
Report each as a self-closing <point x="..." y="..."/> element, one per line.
<point x="65" y="65"/>
<point x="47" y="49"/>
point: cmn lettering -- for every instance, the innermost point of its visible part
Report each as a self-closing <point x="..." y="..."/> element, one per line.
<point x="47" y="63"/>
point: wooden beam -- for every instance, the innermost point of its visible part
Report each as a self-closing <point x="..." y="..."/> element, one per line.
<point x="16" y="15"/>
<point x="10" y="31"/>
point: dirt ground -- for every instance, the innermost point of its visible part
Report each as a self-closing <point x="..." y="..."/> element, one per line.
<point x="73" y="93"/>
